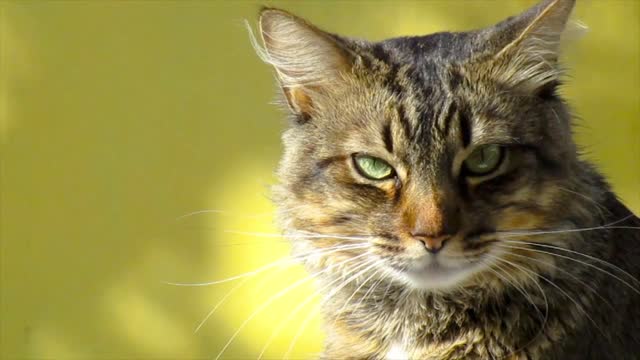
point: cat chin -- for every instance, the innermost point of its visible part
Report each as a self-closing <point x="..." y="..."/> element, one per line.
<point x="434" y="275"/>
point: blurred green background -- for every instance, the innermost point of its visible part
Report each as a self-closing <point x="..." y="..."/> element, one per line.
<point x="119" y="117"/>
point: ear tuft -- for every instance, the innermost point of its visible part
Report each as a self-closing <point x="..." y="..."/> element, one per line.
<point x="305" y="58"/>
<point x="530" y="58"/>
<point x="301" y="53"/>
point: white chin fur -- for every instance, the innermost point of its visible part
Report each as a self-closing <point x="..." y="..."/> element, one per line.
<point x="433" y="275"/>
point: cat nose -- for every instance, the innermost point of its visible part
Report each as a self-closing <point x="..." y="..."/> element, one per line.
<point x="432" y="244"/>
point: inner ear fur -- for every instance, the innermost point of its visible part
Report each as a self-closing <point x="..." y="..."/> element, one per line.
<point x="307" y="60"/>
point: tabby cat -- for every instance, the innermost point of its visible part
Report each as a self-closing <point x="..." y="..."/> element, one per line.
<point x="432" y="186"/>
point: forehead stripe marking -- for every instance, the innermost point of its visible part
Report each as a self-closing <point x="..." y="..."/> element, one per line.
<point x="447" y="117"/>
<point x="387" y="136"/>
<point x="406" y="126"/>
<point x="465" y="126"/>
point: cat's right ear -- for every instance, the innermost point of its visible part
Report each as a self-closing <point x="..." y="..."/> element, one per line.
<point x="307" y="60"/>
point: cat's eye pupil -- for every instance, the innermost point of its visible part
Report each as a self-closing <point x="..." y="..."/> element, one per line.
<point x="373" y="168"/>
<point x="484" y="159"/>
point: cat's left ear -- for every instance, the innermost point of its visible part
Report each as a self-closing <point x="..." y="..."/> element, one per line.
<point x="528" y="46"/>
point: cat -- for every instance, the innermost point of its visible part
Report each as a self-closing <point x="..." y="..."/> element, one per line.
<point x="432" y="186"/>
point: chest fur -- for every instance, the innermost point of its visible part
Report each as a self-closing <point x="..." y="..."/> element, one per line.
<point x="425" y="328"/>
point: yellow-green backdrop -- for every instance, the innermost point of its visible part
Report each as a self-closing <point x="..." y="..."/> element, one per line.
<point x="118" y="117"/>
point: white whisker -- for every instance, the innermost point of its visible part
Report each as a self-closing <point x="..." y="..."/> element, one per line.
<point x="300" y="235"/>
<point x="562" y="231"/>
<point x="303" y="326"/>
<point x="237" y="214"/>
<point x="383" y="276"/>
<point x="277" y="296"/>
<point x="301" y="305"/>
<point x="224" y="298"/>
<point x="578" y="304"/>
<point x="283" y="261"/>
<point x="580" y="262"/>
<point x="346" y="303"/>
<point x="546" y="306"/>
<point x="566" y="273"/>
<point x="597" y="205"/>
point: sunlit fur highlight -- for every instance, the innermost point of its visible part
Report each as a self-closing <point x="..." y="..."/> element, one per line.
<point x="542" y="260"/>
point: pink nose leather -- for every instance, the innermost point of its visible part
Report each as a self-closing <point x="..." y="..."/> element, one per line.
<point x="432" y="244"/>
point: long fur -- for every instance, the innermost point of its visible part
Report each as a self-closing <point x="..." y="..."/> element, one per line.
<point x="543" y="258"/>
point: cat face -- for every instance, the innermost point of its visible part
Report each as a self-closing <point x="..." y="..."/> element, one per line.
<point x="417" y="155"/>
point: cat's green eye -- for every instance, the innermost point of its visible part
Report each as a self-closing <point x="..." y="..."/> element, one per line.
<point x="372" y="167"/>
<point x="484" y="160"/>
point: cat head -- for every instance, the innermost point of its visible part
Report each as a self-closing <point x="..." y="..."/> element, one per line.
<point x="416" y="155"/>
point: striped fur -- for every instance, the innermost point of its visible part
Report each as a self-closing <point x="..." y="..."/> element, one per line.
<point x="423" y="104"/>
